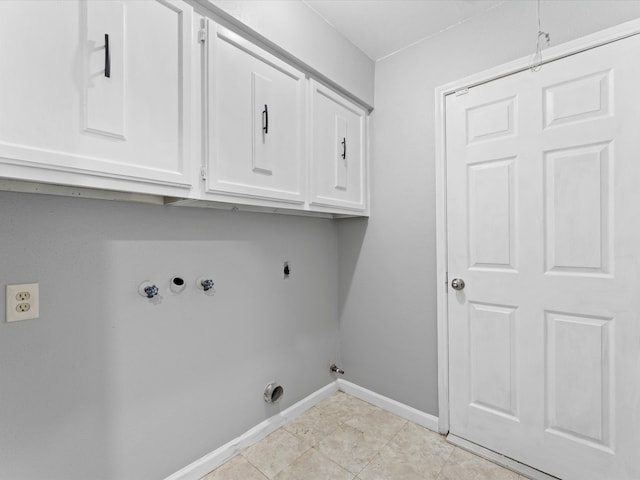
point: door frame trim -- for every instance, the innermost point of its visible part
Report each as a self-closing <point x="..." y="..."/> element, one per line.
<point x="573" y="47"/>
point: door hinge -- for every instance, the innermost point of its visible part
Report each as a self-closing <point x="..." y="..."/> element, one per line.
<point x="446" y="280"/>
<point x="202" y="35"/>
<point x="462" y="91"/>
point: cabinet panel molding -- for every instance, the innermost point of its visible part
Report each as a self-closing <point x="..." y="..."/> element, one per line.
<point x="338" y="174"/>
<point x="256" y="128"/>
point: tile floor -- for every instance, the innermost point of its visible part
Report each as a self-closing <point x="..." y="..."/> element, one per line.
<point x="344" y="438"/>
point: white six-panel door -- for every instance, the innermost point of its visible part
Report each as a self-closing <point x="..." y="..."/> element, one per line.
<point x="543" y="226"/>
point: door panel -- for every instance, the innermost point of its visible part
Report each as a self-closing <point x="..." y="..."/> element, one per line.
<point x="577" y="99"/>
<point x="577" y="217"/>
<point x="491" y="121"/>
<point x="542" y="208"/>
<point x="492" y="214"/>
<point x="578" y="388"/>
<point x="492" y="358"/>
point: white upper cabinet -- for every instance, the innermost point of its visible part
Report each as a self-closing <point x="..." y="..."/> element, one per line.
<point x="338" y="174"/>
<point x="129" y="96"/>
<point x="97" y="94"/>
<point x="255" y="122"/>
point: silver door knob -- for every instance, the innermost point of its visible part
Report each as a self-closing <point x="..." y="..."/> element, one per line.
<point x="457" y="284"/>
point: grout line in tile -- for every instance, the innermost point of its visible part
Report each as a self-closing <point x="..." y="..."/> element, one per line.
<point x="288" y="465"/>
<point x="446" y="460"/>
<point x="334" y="462"/>
<point x="380" y="449"/>
<point x="255" y="466"/>
<point x="338" y="424"/>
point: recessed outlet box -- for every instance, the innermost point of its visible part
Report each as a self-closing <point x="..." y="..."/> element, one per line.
<point x="23" y="302"/>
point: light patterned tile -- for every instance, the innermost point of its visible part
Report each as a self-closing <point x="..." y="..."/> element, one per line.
<point x="313" y="425"/>
<point x="422" y="451"/>
<point x="463" y="465"/>
<point x="417" y="441"/>
<point x="391" y="465"/>
<point x="350" y="448"/>
<point x="351" y="437"/>
<point x="345" y="407"/>
<point x="238" y="468"/>
<point x="314" y="466"/>
<point x="378" y="423"/>
<point x="274" y="453"/>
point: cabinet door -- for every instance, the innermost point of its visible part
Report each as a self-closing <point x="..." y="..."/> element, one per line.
<point x="96" y="93"/>
<point x="256" y="121"/>
<point x="338" y="166"/>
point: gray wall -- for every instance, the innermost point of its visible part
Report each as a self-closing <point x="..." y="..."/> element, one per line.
<point x="105" y="385"/>
<point x="387" y="265"/>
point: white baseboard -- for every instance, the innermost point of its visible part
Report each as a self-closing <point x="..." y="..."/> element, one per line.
<point x="213" y="460"/>
<point x="494" y="457"/>
<point x="400" y="409"/>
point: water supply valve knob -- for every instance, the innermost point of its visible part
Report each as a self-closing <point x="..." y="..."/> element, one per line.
<point x="206" y="284"/>
<point x="148" y="289"/>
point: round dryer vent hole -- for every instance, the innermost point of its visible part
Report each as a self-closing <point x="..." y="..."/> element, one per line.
<point x="273" y="392"/>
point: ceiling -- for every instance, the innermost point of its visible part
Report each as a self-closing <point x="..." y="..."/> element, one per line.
<point x="382" y="27"/>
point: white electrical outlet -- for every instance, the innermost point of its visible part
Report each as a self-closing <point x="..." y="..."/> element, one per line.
<point x="23" y="302"/>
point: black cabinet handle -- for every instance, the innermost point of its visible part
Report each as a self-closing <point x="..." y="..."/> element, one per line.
<point x="265" y="120"/>
<point x="107" y="57"/>
<point x="344" y="148"/>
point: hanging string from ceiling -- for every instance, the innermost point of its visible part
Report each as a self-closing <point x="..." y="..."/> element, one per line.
<point x="536" y="59"/>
